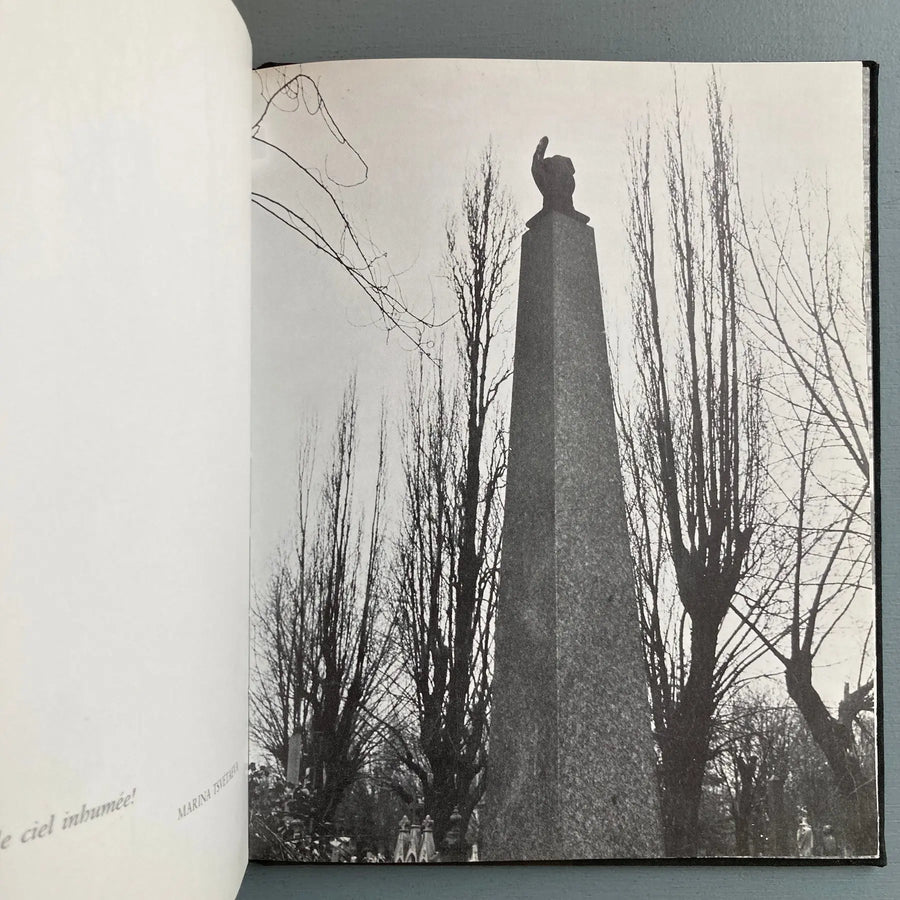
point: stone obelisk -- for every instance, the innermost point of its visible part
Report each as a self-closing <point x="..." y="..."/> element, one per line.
<point x="571" y="750"/>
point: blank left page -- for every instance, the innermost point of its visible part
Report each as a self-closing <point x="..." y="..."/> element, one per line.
<point x="124" y="448"/>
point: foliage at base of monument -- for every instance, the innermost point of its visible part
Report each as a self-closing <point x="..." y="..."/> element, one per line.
<point x="279" y="815"/>
<point x="282" y="819"/>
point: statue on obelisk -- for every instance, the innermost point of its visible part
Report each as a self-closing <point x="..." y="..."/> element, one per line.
<point x="571" y="770"/>
<point x="555" y="179"/>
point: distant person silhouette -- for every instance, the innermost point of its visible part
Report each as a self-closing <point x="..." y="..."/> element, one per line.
<point x="804" y="838"/>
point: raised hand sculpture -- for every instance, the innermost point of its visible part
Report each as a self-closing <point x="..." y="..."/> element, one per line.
<point x="555" y="179"/>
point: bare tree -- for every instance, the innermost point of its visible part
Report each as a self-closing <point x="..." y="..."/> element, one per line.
<point x="753" y="735"/>
<point x="810" y="309"/>
<point x="448" y="550"/>
<point x="696" y="436"/>
<point x="310" y="202"/>
<point x="319" y="637"/>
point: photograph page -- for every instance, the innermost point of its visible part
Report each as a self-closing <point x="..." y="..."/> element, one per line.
<point x="562" y="502"/>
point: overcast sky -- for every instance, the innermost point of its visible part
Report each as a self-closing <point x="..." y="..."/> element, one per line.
<point x="419" y="124"/>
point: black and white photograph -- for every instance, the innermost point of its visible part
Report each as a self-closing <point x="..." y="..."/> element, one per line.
<point x="562" y="506"/>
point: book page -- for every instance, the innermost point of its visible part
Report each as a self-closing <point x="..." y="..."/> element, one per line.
<point x="614" y="318"/>
<point x="124" y="450"/>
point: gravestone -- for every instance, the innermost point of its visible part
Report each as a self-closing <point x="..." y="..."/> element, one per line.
<point x="295" y="754"/>
<point x="402" y="844"/>
<point x="571" y="750"/>
<point x="779" y="827"/>
<point x="427" y="851"/>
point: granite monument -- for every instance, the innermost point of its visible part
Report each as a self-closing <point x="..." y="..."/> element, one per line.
<point x="571" y="771"/>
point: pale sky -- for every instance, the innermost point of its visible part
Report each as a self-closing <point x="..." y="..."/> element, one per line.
<point x="419" y="124"/>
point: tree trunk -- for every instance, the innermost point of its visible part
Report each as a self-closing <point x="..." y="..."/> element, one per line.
<point x="743" y="805"/>
<point x="466" y="583"/>
<point x="741" y="836"/>
<point x="682" y="784"/>
<point x="441" y="796"/>
<point x="686" y="745"/>
<point x="836" y="741"/>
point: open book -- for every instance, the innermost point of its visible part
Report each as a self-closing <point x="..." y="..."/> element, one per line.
<point x="394" y="203"/>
